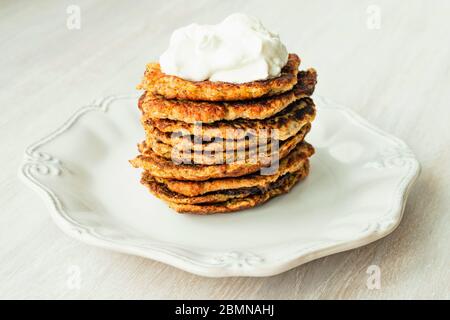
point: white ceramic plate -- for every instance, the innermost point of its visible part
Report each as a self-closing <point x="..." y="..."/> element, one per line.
<point x="355" y="194"/>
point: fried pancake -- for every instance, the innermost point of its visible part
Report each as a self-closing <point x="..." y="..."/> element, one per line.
<point x="172" y="87"/>
<point x="224" y="154"/>
<point x="157" y="107"/>
<point x="296" y="160"/>
<point x="189" y="142"/>
<point x="161" y="191"/>
<point x="164" y="168"/>
<point x="283" y="125"/>
<point x="284" y="185"/>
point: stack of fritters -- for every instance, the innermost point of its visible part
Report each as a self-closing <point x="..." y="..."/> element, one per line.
<point x="216" y="147"/>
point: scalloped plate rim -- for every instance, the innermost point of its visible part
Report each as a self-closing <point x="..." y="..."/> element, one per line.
<point x="189" y="264"/>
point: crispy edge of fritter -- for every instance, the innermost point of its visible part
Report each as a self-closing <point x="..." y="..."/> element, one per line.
<point x="157" y="107"/>
<point x="187" y="142"/>
<point x="238" y="204"/>
<point x="161" y="191"/>
<point x="291" y="163"/>
<point x="208" y="158"/>
<point x="172" y="87"/>
<point x="164" y="168"/>
<point x="284" y="124"/>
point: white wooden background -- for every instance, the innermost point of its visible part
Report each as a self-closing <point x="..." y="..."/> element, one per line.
<point x="397" y="76"/>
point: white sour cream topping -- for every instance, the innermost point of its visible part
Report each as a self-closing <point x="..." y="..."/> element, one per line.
<point x="239" y="49"/>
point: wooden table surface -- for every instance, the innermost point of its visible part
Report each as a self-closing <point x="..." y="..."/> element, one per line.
<point x="387" y="60"/>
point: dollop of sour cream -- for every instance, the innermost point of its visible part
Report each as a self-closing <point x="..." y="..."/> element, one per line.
<point x="237" y="50"/>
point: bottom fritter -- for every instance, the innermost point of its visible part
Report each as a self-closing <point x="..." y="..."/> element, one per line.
<point x="225" y="200"/>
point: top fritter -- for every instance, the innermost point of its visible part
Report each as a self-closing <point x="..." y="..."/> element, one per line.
<point x="237" y="59"/>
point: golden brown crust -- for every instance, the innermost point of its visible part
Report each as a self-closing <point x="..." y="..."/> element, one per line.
<point x="172" y="87"/>
<point x="239" y="204"/>
<point x="161" y="191"/>
<point x="157" y="107"/>
<point x="188" y="142"/>
<point x="297" y="159"/>
<point x="283" y="125"/>
<point x="164" y="168"/>
<point x="224" y="154"/>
